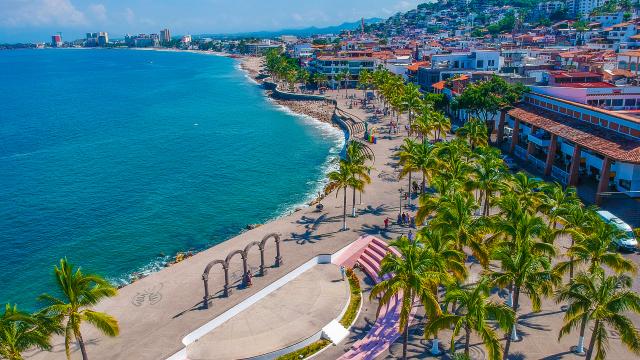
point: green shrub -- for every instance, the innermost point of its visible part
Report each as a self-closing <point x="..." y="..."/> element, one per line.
<point x="306" y="351"/>
<point x="354" y="303"/>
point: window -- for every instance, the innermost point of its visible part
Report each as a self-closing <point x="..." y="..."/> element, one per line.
<point x="625" y="184"/>
<point x="491" y="63"/>
<point x="616" y="102"/>
<point x="630" y="102"/>
<point x="480" y="64"/>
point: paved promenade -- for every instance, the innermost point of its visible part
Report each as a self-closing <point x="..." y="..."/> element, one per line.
<point x="156" y="312"/>
<point x="172" y="298"/>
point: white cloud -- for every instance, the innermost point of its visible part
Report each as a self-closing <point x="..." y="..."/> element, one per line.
<point x="20" y="13"/>
<point x="99" y="11"/>
<point x="129" y="15"/>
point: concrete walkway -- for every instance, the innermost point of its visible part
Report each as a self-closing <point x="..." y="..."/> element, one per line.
<point x="285" y="317"/>
<point x="156" y="312"/>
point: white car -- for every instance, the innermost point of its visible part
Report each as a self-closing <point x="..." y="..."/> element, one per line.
<point x="626" y="242"/>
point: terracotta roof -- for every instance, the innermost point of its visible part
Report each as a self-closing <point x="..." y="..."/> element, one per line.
<point x="416" y="65"/>
<point x="595" y="138"/>
<point x="439" y="85"/>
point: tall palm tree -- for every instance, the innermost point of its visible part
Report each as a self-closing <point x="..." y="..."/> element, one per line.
<point x="475" y="132"/>
<point x="441" y="123"/>
<point x="595" y="297"/>
<point x="20" y="331"/>
<point x="455" y="215"/>
<point x="407" y="277"/>
<point x="411" y="100"/>
<point x="79" y="291"/>
<point x="472" y="314"/>
<point x="345" y="77"/>
<point x="488" y="175"/>
<point x="408" y="155"/>
<point x="423" y="124"/>
<point x="524" y="265"/>
<point x="343" y="178"/>
<point x="597" y="249"/>
<point x="357" y="154"/>
<point x="338" y="79"/>
<point x="527" y="190"/>
<point x="558" y="200"/>
<point x="577" y="220"/>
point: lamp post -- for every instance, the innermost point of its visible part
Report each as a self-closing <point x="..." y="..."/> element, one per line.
<point x="401" y="191"/>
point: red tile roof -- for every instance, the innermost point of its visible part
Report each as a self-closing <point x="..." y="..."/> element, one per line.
<point x="595" y="138"/>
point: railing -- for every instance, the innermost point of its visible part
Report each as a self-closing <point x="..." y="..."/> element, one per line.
<point x="520" y="152"/>
<point x="537" y="163"/>
<point x="559" y="174"/>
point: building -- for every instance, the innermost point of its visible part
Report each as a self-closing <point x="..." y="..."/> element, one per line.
<point x="331" y="66"/>
<point x="574" y="143"/>
<point x="186" y="39"/>
<point x="288" y="39"/>
<point x="56" y="40"/>
<point x="583" y="7"/>
<point x="261" y="47"/>
<point x="142" y="40"/>
<point x="165" y="36"/>
<point x="549" y="7"/>
<point x="445" y="66"/>
<point x="96" y="39"/>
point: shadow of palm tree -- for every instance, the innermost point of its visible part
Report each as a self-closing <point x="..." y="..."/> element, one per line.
<point x="377" y="211"/>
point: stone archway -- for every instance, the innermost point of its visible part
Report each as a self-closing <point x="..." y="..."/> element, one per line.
<point x="244" y="261"/>
<point x="246" y="253"/>
<point x="276" y="238"/>
<point x="205" y="279"/>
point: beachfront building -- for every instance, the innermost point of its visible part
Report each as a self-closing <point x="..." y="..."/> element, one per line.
<point x="100" y="39"/>
<point x="165" y="36"/>
<point x="56" y="40"/>
<point x="331" y="66"/>
<point x="576" y="144"/>
<point x="261" y="47"/>
<point x="446" y="66"/>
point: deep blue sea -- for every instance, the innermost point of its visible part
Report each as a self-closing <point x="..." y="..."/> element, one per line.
<point x="119" y="159"/>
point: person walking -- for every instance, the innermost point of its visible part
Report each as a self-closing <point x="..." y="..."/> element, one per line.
<point x="386" y="223"/>
<point x="410" y="236"/>
<point x="342" y="271"/>
<point x="404" y="218"/>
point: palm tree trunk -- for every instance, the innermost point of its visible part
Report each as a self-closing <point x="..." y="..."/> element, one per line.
<point x="409" y="198"/>
<point x="592" y="342"/>
<point x="405" y="341"/>
<point x="344" y="210"/>
<point x="353" y="208"/>
<point x="486" y="204"/>
<point x="583" y="325"/>
<point x="467" y="340"/>
<point x="81" y="344"/>
<point x="571" y="262"/>
<point x="424" y="182"/>
<point x="514" y="335"/>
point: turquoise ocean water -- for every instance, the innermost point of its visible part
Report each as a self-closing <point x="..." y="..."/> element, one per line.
<point x="115" y="158"/>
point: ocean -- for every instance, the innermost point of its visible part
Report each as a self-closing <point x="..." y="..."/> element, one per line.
<point x="119" y="159"/>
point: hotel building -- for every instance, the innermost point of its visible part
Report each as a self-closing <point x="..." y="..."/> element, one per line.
<point x="331" y="66"/>
<point x="575" y="143"/>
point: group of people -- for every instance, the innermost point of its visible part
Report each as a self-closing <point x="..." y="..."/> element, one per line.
<point x="404" y="219"/>
<point x="393" y="127"/>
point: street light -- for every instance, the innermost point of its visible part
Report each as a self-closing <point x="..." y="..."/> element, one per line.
<point x="401" y="191"/>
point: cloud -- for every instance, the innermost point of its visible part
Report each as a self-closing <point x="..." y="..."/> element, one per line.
<point x="99" y="11"/>
<point x="129" y="15"/>
<point x="23" y="13"/>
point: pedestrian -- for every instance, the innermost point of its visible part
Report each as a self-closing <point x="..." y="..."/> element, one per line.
<point x="410" y="236"/>
<point x="342" y="271"/>
<point x="248" y="278"/>
<point x="404" y="218"/>
<point x="386" y="223"/>
<point x="399" y="219"/>
<point x="413" y="222"/>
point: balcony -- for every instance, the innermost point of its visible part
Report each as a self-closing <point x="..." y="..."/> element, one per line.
<point x="542" y="140"/>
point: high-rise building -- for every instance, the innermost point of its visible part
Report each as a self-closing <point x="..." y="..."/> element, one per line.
<point x="165" y="36"/>
<point x="96" y="39"/>
<point x="56" y="40"/>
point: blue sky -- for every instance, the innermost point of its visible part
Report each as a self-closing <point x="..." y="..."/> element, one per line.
<point x="36" y="20"/>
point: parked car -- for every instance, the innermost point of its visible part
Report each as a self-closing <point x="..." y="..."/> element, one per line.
<point x="628" y="240"/>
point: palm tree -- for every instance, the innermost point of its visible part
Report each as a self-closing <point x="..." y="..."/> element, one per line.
<point x="577" y="220"/>
<point x="488" y="175"/>
<point x="472" y="314"/>
<point x="441" y="123"/>
<point x="475" y="132"/>
<point x="603" y="299"/>
<point x="20" y="331"/>
<point x="411" y="100"/>
<point x="345" y="78"/>
<point x="338" y="78"/>
<point x="357" y="154"/>
<point x="527" y="192"/>
<point x="408" y="277"/>
<point x="596" y="248"/>
<point x="423" y="124"/>
<point x="343" y="178"/>
<point x="455" y="215"/>
<point x="80" y="291"/>
<point x="408" y="155"/>
<point x="524" y="265"/>
<point x="558" y="200"/>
